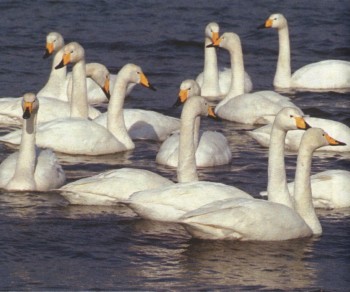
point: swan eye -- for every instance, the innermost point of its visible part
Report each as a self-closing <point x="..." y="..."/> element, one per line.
<point x="291" y="116"/>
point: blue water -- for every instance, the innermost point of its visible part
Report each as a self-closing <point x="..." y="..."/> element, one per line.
<point x="46" y="244"/>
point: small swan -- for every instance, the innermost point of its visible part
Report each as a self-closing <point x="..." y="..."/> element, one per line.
<point x="251" y="108"/>
<point x="320" y="76"/>
<point x="78" y="135"/>
<point x="212" y="147"/>
<point x="169" y="203"/>
<point x="214" y="83"/>
<point x="114" y="186"/>
<point x="30" y="169"/>
<point x="256" y="219"/>
<point x="52" y="108"/>
<point x="57" y="85"/>
<point x="336" y="129"/>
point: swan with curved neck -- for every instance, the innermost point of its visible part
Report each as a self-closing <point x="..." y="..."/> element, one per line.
<point x="211" y="147"/>
<point x="78" y="135"/>
<point x="255" y="219"/>
<point x="251" y="108"/>
<point x="320" y="76"/>
<point x="169" y="203"/>
<point x="30" y="169"/>
<point x="215" y="83"/>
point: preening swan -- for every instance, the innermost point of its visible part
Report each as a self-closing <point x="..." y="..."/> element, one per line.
<point x="169" y="203"/>
<point x="52" y="108"/>
<point x="57" y="85"/>
<point x="251" y="108"/>
<point x="336" y="129"/>
<point x="256" y="219"/>
<point x="212" y="147"/>
<point x="215" y="83"/>
<point x="79" y="135"/>
<point x="30" y="169"/>
<point x="321" y="76"/>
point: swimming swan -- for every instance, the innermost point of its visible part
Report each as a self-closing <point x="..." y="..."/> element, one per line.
<point x="214" y="82"/>
<point x="251" y="108"/>
<point x="79" y="135"/>
<point x="212" y="147"/>
<point x="114" y="186"/>
<point x="320" y="76"/>
<point x="30" y="169"/>
<point x="256" y="219"/>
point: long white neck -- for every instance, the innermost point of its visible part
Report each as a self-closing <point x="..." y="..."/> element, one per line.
<point x="283" y="71"/>
<point x="55" y="85"/>
<point x="197" y="124"/>
<point x="237" y="69"/>
<point x="302" y="189"/>
<point x="115" y="116"/>
<point x="23" y="178"/>
<point x="210" y="86"/>
<point x="277" y="189"/>
<point x="186" y="169"/>
<point x="79" y="103"/>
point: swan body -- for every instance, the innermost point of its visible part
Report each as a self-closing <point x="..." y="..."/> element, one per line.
<point x="253" y="108"/>
<point x="145" y="125"/>
<point x="212" y="147"/>
<point x="52" y="108"/>
<point x="336" y="129"/>
<point x="215" y="83"/>
<point x="330" y="189"/>
<point x="78" y="135"/>
<point x="57" y="85"/>
<point x="30" y="169"/>
<point x="169" y="203"/>
<point x="111" y="187"/>
<point x="321" y="76"/>
<point x="255" y="219"/>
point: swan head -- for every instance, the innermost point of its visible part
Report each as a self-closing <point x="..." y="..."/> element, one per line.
<point x="30" y="105"/>
<point x="54" y="42"/>
<point x="100" y="74"/>
<point x="316" y="138"/>
<point x="212" y="31"/>
<point x="290" y="118"/>
<point x="188" y="88"/>
<point x="228" y="40"/>
<point x="198" y="106"/>
<point x="276" y="20"/>
<point x="72" y="53"/>
<point x="133" y="74"/>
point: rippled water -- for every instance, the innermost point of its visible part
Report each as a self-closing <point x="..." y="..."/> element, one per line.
<point x="46" y="244"/>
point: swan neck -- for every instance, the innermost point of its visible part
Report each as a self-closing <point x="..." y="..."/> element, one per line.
<point x="79" y="103"/>
<point x="283" y="71"/>
<point x="197" y="124"/>
<point x="277" y="181"/>
<point x="115" y="116"/>
<point x="186" y="169"/>
<point x="210" y="86"/>
<point x="237" y="69"/>
<point x="302" y="189"/>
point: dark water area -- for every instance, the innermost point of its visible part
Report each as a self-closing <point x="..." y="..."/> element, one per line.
<point x="46" y="244"/>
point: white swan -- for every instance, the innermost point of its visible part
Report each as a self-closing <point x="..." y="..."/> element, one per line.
<point x="114" y="186"/>
<point x="57" y="84"/>
<point x="169" y="203"/>
<point x="212" y="147"/>
<point x="251" y="108"/>
<point x="336" y="129"/>
<point x="321" y="76"/>
<point x="330" y="189"/>
<point x="78" y="135"/>
<point x="30" y="169"/>
<point x="52" y="108"/>
<point x="215" y="83"/>
<point x="255" y="219"/>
